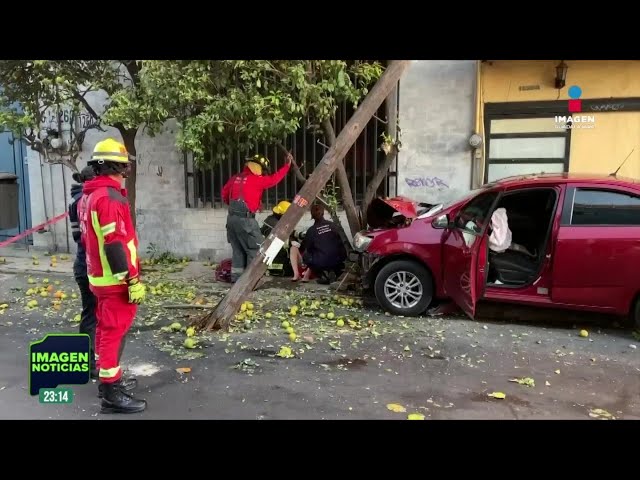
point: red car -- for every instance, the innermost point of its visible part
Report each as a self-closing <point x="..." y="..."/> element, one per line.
<point x="582" y="235"/>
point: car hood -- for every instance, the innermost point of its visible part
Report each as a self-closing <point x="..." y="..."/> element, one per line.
<point x="385" y="212"/>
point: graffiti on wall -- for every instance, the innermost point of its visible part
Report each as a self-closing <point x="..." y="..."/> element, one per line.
<point x="426" y="182"/>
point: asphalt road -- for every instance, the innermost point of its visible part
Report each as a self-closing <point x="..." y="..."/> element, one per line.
<point x="442" y="367"/>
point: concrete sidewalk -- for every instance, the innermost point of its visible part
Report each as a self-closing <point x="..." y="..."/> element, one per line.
<point x="14" y="260"/>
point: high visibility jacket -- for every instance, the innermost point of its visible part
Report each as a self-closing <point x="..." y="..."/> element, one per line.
<point x="108" y="235"/>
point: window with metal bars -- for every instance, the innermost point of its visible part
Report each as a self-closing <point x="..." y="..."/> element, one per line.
<point x="204" y="186"/>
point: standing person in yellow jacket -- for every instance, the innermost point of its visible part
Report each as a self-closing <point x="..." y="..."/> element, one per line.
<point x="113" y="268"/>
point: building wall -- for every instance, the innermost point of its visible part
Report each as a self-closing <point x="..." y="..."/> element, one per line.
<point x="437" y="112"/>
<point x="436" y="117"/>
<point x="600" y="149"/>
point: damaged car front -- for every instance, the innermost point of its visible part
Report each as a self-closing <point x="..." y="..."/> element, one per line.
<point x="390" y="232"/>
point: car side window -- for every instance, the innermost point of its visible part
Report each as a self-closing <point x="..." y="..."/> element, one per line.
<point x="605" y="207"/>
<point x="474" y="215"/>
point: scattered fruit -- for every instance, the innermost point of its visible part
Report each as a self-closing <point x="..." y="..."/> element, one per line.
<point x="77" y="318"/>
<point x="331" y="315"/>
<point x="292" y="336"/>
<point x="189" y="343"/>
<point x="285" y="324"/>
<point x="249" y="306"/>
<point x="498" y="395"/>
<point x="175" y="326"/>
<point x="267" y="315"/>
<point x="191" y="332"/>
<point x="289" y="330"/>
<point x="31" y="281"/>
<point x="415" y="416"/>
<point x="584" y="333"/>
<point x="340" y="323"/>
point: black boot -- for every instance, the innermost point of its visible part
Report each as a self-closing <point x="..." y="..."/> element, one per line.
<point x="117" y="401"/>
<point x="125" y="384"/>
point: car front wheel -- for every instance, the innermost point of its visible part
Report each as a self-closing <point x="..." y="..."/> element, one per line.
<point x="404" y="287"/>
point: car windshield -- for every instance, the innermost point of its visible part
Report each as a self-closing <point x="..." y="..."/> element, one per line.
<point x="443" y="206"/>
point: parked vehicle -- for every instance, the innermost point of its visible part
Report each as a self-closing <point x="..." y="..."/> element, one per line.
<point x="584" y="232"/>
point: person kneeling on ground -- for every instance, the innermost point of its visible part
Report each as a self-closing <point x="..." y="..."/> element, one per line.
<point x="323" y="251"/>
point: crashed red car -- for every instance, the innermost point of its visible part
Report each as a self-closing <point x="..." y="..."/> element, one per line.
<point x="573" y="242"/>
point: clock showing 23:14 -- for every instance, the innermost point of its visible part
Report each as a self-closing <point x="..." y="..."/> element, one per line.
<point x="56" y="395"/>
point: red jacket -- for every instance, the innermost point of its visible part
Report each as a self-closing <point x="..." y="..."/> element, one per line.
<point x="254" y="186"/>
<point x="108" y="235"/>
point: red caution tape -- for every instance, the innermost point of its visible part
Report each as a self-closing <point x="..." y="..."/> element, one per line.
<point x="34" y="229"/>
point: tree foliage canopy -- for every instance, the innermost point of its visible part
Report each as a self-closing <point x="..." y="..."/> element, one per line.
<point x="41" y="96"/>
<point x="237" y="104"/>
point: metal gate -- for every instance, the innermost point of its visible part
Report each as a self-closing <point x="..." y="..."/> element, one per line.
<point x="13" y="159"/>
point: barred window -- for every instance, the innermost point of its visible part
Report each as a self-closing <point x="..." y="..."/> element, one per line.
<point x="204" y="186"/>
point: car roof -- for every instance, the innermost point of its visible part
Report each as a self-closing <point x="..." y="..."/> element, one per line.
<point x="530" y="179"/>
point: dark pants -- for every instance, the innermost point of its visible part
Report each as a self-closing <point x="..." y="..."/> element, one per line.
<point x="326" y="272"/>
<point x="88" y="316"/>
<point x="243" y="233"/>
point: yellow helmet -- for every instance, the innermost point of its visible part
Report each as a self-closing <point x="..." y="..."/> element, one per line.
<point x="281" y="208"/>
<point x="257" y="164"/>
<point x="110" y="150"/>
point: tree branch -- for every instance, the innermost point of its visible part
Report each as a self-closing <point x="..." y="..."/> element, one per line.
<point x="296" y="168"/>
<point x="134" y="70"/>
<point x="343" y="180"/>
<point x="84" y="102"/>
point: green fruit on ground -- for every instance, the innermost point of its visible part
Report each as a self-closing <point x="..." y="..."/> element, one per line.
<point x="292" y="336"/>
<point x="331" y="315"/>
<point x="340" y="323"/>
<point x="285" y="324"/>
<point x="175" y="326"/>
<point x="290" y="330"/>
<point x="249" y="306"/>
<point x="267" y="315"/>
<point x="189" y="343"/>
<point x="323" y="315"/>
<point x="191" y="332"/>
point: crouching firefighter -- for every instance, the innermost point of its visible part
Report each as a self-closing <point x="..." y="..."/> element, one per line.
<point x="111" y="246"/>
<point x="243" y="193"/>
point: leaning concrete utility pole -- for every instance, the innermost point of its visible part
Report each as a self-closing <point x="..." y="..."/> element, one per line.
<point x="227" y="308"/>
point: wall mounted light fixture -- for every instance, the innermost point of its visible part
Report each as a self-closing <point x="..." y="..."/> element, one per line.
<point x="561" y="74"/>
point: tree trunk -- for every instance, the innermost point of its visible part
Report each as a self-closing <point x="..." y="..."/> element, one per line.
<point x="129" y="137"/>
<point x="332" y="212"/>
<point x="343" y="180"/>
<point x="383" y="168"/>
<point x="223" y="314"/>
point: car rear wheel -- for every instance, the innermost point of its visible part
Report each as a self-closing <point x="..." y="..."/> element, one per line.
<point x="404" y="287"/>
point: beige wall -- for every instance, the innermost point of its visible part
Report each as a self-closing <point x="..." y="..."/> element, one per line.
<point x="614" y="135"/>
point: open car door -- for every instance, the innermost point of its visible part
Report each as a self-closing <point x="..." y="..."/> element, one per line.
<point x="463" y="244"/>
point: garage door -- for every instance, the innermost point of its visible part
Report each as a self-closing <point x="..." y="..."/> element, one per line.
<point x="520" y="146"/>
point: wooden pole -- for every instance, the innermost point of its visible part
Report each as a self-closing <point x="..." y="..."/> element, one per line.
<point x="223" y="314"/>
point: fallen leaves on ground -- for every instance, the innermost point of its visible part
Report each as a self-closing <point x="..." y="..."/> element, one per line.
<point x="285" y="352"/>
<point x="529" y="382"/>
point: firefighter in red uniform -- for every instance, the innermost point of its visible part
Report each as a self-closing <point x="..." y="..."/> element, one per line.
<point x="243" y="193"/>
<point x="111" y="244"/>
